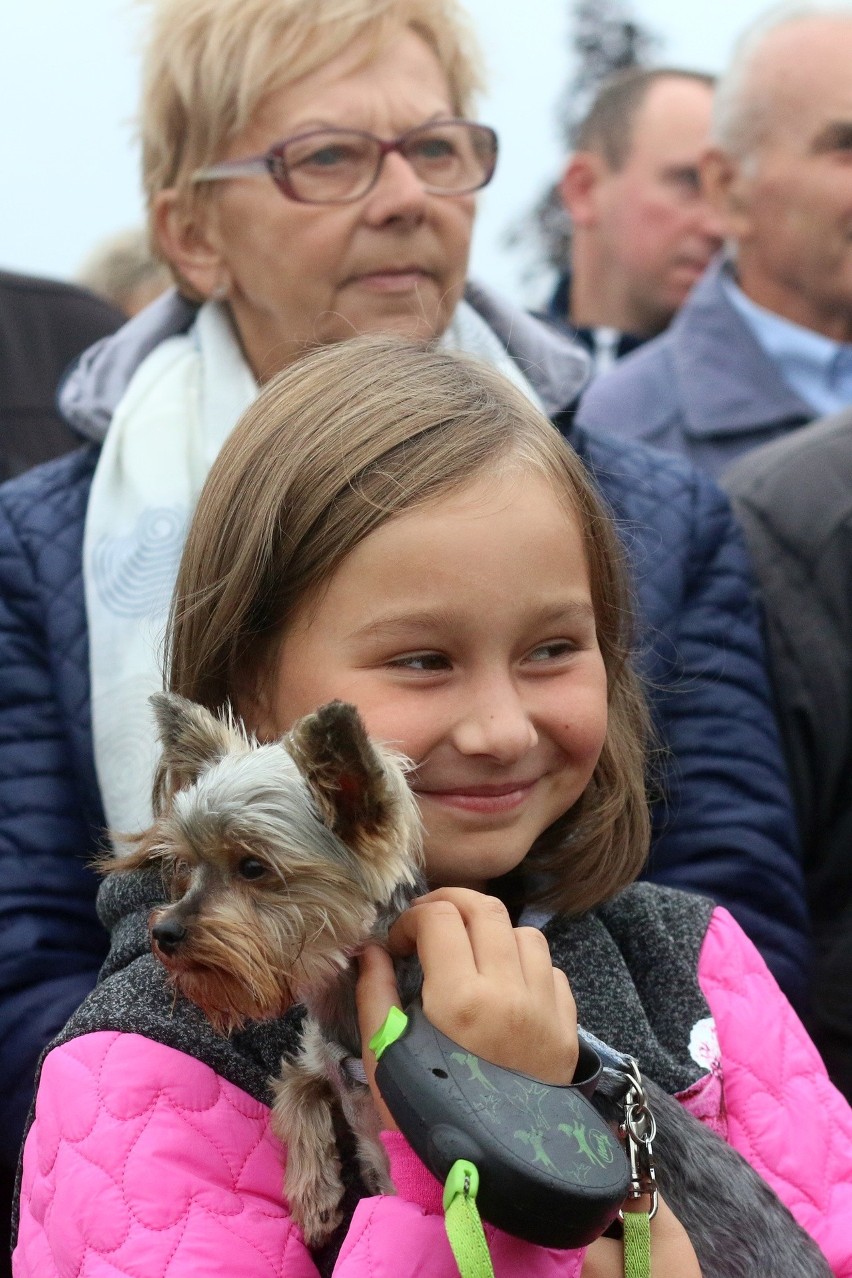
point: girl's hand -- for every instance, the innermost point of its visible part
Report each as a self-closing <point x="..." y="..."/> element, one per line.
<point x="672" y="1255"/>
<point x="488" y="986"/>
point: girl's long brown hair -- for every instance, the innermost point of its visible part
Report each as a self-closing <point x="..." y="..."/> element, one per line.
<point x="335" y="446"/>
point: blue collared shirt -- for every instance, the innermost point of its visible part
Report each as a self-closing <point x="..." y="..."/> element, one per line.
<point x="817" y="368"/>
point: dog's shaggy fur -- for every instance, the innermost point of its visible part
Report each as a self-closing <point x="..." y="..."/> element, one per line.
<point x="281" y="861"/>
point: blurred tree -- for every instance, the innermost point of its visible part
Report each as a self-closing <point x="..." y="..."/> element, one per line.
<point x="605" y="37"/>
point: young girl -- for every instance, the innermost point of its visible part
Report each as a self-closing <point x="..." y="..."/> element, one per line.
<point x="422" y="544"/>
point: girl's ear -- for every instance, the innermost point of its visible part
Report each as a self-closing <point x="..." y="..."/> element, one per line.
<point x="253" y="704"/>
<point x="185" y="233"/>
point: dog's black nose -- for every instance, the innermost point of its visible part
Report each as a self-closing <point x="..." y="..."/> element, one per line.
<point x="168" y="934"/>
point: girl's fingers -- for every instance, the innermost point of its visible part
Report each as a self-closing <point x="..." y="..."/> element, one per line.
<point x="566" y="1016"/>
<point x="485" y="942"/>
<point x="375" y="994"/>
<point x="436" y="932"/>
<point x="376" y="991"/>
<point x="493" y="939"/>
<point x="536" y="963"/>
<point x="488" y="986"/>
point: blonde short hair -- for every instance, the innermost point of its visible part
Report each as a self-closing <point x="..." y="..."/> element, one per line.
<point x="122" y="268"/>
<point x="335" y="446"/>
<point x="210" y="63"/>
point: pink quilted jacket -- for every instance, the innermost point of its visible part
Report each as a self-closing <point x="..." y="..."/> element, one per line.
<point x="143" y="1162"/>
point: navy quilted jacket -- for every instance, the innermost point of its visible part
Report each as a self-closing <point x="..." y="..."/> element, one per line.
<point x="725" y="827"/>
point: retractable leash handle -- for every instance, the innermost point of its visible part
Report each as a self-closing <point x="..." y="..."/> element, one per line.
<point x="549" y="1168"/>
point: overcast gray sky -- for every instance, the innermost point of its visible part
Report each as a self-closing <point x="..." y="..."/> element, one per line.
<point x="68" y="82"/>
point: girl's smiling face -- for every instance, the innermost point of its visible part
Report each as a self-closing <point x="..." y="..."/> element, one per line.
<point x="464" y="633"/>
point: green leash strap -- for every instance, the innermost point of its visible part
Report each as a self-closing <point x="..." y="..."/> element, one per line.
<point x="462" y="1221"/>
<point x="467" y="1237"/>
<point x="637" y="1244"/>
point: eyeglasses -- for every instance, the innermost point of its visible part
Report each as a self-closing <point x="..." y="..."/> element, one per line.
<point x="334" y="166"/>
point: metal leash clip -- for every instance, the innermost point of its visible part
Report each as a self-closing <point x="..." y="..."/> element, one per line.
<point x="638" y="1129"/>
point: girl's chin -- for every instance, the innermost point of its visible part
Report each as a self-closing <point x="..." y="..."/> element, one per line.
<point x="450" y="867"/>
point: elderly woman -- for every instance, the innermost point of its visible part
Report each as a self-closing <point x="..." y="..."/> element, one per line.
<point x="311" y="169"/>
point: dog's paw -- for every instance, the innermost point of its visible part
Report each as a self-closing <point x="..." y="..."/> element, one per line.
<point x="374" y="1168"/>
<point x="315" y="1206"/>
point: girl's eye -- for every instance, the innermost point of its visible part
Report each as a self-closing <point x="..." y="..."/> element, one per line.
<point x="250" y="868"/>
<point x="426" y="661"/>
<point x="552" y="651"/>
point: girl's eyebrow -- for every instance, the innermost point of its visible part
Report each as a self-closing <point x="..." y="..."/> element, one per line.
<point x="393" y="623"/>
<point x="428" y="620"/>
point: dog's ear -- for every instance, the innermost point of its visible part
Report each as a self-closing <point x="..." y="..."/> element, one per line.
<point x="192" y="739"/>
<point x="344" y="771"/>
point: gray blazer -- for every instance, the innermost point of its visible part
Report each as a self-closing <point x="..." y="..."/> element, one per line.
<point x="705" y="388"/>
<point x="794" y="500"/>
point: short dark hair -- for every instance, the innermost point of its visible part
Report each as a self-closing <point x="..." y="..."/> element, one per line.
<point x="607" y="126"/>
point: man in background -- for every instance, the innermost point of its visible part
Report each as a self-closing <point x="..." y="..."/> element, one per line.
<point x="764" y="342"/>
<point x="641" y="232"/>
<point x="794" y="499"/>
<point x="44" y="325"/>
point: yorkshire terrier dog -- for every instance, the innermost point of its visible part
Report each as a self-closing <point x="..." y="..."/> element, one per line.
<point x="282" y="860"/>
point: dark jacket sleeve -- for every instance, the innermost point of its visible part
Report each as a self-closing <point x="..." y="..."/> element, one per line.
<point x="51" y="943"/>
<point x="794" y="504"/>
<point x="794" y="501"/>
<point x="725" y="824"/>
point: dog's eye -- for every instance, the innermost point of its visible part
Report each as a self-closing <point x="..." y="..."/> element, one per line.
<point x="250" y="868"/>
<point x="179" y="879"/>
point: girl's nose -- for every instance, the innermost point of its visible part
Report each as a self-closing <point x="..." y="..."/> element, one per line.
<point x="495" y="722"/>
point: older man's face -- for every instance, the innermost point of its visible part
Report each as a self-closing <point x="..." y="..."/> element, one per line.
<point x="791" y="205"/>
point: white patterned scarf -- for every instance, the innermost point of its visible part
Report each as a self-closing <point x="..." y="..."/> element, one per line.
<point x="178" y="409"/>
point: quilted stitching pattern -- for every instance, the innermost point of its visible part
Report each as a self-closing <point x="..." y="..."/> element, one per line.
<point x="783" y="1114"/>
<point x="50" y="816"/>
<point x="133" y="1156"/>
<point x="143" y="1163"/>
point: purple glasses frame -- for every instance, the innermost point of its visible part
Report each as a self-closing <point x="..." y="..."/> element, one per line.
<point x="272" y="163"/>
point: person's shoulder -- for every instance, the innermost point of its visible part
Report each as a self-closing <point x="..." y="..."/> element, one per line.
<point x="651" y="909"/>
<point x="49" y="496"/>
<point x="637" y="397"/>
<point x="642" y="481"/>
<point x="179" y="1159"/>
<point x="812" y="454"/>
<point x="61" y="296"/>
<point x="118" y="1061"/>
<point x="799" y="488"/>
